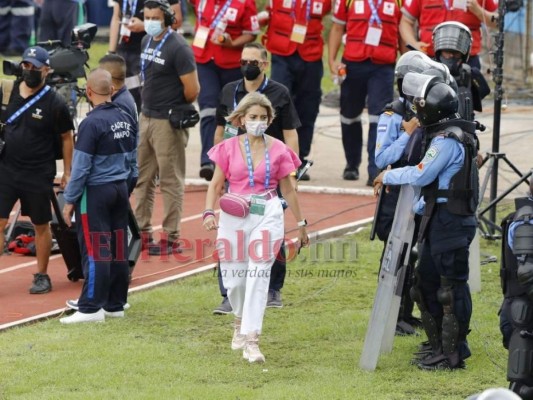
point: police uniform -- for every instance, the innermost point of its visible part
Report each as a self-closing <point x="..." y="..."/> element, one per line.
<point x="516" y="313"/>
<point x="104" y="160"/>
<point x="448" y="177"/>
<point x="218" y="65"/>
<point x="369" y="55"/>
<point x="297" y="58"/>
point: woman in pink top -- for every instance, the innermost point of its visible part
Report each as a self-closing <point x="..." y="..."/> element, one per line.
<point x="254" y="164"/>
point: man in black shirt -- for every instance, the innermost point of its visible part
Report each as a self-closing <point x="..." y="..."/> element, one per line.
<point x="171" y="83"/>
<point x="37" y="123"/>
<point x="126" y="31"/>
<point x="254" y="62"/>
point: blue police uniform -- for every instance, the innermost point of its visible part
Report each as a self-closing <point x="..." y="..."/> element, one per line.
<point x="442" y="273"/>
<point x="104" y="160"/>
<point x="391" y="139"/>
<point x="16" y="23"/>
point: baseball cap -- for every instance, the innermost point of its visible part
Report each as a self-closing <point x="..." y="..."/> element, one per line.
<point x="36" y="55"/>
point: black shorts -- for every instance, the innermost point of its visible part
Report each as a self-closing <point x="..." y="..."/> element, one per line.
<point x="37" y="206"/>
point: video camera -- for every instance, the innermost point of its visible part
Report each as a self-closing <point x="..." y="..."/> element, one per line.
<point x="68" y="63"/>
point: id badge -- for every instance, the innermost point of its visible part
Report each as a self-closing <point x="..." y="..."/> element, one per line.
<point x="257" y="205"/>
<point x="230" y="131"/>
<point x="359" y="7"/>
<point x="373" y="36"/>
<point x="287" y="3"/>
<point x="200" y="39"/>
<point x="124" y="31"/>
<point x="459" y="5"/>
<point x="298" y="33"/>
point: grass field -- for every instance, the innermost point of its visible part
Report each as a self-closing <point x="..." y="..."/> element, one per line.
<point x="170" y="346"/>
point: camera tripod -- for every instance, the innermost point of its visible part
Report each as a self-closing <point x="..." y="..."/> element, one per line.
<point x="488" y="226"/>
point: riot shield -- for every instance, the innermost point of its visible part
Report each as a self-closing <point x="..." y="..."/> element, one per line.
<point x="382" y="325"/>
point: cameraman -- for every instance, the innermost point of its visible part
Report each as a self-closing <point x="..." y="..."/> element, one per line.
<point x="37" y="123"/>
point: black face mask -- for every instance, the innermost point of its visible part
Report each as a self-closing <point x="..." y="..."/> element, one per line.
<point x="32" y="77"/>
<point x="250" y="72"/>
<point x="453" y="64"/>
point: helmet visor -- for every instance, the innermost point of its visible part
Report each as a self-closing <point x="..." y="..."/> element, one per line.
<point x="416" y="85"/>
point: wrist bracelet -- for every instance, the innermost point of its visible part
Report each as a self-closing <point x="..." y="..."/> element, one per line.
<point x="208" y="213"/>
<point x="302" y="223"/>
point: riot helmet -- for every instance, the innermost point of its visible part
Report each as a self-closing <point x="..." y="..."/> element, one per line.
<point x="452" y="36"/>
<point x="434" y="100"/>
<point x="416" y="61"/>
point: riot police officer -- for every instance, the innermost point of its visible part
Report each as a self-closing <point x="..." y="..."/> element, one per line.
<point x="516" y="314"/>
<point x="399" y="143"/>
<point x="452" y="42"/>
<point x="448" y="177"/>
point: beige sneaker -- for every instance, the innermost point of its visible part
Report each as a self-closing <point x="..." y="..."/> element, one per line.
<point x="238" y="341"/>
<point x="251" y="350"/>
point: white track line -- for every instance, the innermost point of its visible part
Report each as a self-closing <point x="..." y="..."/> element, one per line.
<point x="323" y="234"/>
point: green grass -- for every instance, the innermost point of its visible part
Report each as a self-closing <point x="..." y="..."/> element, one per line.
<point x="170" y="346"/>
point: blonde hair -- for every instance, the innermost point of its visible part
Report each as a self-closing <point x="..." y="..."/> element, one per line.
<point x="248" y="101"/>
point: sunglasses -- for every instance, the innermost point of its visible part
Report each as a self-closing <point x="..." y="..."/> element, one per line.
<point x="254" y="63"/>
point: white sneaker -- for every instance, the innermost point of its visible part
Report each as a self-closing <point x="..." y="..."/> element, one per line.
<point x="251" y="350"/>
<point x="114" y="314"/>
<point x="78" y="317"/>
<point x="238" y="342"/>
<point x="73" y="304"/>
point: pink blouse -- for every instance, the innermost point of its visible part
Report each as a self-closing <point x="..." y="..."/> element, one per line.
<point x="228" y="156"/>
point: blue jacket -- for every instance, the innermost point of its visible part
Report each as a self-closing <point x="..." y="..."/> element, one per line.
<point x="105" y="150"/>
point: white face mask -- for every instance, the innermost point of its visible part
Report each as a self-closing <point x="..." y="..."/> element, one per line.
<point x="256" y="128"/>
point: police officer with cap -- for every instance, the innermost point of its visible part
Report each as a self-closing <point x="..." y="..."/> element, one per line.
<point x="516" y="315"/>
<point x="448" y="177"/>
<point x="37" y="129"/>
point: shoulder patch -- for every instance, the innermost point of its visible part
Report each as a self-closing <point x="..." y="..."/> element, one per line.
<point x="431" y="153"/>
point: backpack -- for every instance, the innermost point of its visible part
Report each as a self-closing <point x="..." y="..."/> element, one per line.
<point x="24" y="242"/>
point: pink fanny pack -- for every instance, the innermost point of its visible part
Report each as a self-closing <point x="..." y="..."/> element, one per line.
<point x="239" y="206"/>
<point x="235" y="205"/>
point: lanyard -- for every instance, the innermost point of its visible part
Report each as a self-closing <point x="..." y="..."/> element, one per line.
<point x="30" y="103"/>
<point x="307" y="9"/>
<point x="156" y="50"/>
<point x="260" y="90"/>
<point x="125" y="5"/>
<point x="218" y="17"/>
<point x="375" y="17"/>
<point x="250" y="164"/>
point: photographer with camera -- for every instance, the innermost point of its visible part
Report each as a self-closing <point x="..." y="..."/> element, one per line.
<point x="36" y="127"/>
<point x="170" y="86"/>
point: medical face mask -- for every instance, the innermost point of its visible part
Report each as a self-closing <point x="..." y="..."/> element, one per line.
<point x="256" y="128"/>
<point x="153" y="27"/>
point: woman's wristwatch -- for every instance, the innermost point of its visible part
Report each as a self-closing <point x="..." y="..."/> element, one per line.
<point x="303" y="222"/>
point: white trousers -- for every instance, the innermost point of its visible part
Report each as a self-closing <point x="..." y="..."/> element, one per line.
<point x="247" y="248"/>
